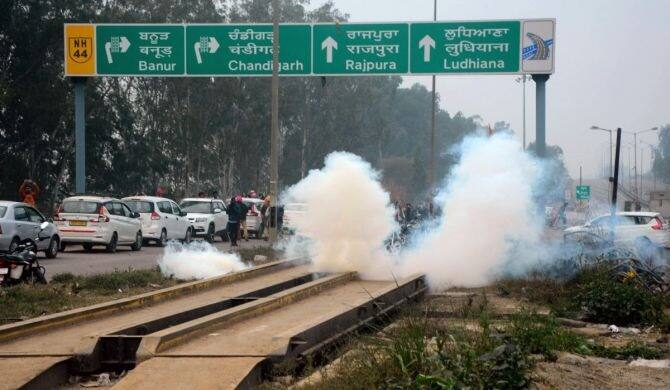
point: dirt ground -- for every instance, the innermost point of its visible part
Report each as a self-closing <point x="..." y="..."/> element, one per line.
<point x="569" y="371"/>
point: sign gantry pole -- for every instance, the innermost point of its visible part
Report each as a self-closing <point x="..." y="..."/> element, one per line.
<point x="431" y="186"/>
<point x="540" y="114"/>
<point x="80" y="134"/>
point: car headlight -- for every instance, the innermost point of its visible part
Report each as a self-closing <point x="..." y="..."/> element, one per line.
<point x="201" y="219"/>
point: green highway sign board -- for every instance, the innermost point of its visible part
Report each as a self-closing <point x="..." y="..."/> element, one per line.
<point x="321" y="49"/>
<point x="246" y="50"/>
<point x="359" y="49"/>
<point x="583" y="192"/>
<point x="143" y="50"/>
<point x="465" y="47"/>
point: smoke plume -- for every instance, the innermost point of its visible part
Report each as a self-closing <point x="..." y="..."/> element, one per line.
<point x="487" y="204"/>
<point x="197" y="260"/>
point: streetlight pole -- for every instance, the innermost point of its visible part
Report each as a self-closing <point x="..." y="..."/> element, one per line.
<point x="611" y="165"/>
<point x="522" y="80"/>
<point x="635" y="133"/>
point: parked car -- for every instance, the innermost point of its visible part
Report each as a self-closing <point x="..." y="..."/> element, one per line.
<point x="636" y="230"/>
<point x="19" y="221"/>
<point x="207" y="216"/>
<point x="95" y="220"/>
<point x="162" y="219"/>
<point x="254" y="217"/>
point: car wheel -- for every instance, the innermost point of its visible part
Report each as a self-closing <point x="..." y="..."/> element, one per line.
<point x="13" y="245"/>
<point x="111" y="247"/>
<point x="188" y="237"/>
<point x="87" y="247"/>
<point x="224" y="236"/>
<point x="210" y="233"/>
<point x="137" y="245"/>
<point x="52" y="250"/>
<point x="162" y="241"/>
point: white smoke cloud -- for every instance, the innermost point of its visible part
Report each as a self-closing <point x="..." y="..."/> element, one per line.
<point x="488" y="210"/>
<point x="347" y="217"/>
<point x="197" y="260"/>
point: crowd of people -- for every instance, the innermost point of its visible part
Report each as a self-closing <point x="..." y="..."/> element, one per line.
<point x="408" y="213"/>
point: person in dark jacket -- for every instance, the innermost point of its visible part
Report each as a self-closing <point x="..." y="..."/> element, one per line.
<point x="233" y="220"/>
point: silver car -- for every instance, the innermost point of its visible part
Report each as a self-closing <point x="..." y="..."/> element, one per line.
<point x="20" y="221"/>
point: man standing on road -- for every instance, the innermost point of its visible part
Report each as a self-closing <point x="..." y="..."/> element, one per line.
<point x="233" y="220"/>
<point x="244" y="209"/>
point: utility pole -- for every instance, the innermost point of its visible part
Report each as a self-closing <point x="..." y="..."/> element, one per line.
<point x="615" y="178"/>
<point x="274" y="136"/>
<point x="431" y="186"/>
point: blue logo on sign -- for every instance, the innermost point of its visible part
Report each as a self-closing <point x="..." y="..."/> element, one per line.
<point x="539" y="50"/>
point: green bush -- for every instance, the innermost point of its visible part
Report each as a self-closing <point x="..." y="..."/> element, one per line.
<point x="613" y="302"/>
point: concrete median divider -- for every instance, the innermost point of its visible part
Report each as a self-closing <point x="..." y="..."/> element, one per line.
<point x="70" y="317"/>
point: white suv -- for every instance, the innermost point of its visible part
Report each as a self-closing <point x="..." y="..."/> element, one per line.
<point x="94" y="220"/>
<point x="636" y="230"/>
<point x="208" y="217"/>
<point x="161" y="218"/>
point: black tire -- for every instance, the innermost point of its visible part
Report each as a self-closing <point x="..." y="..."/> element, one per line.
<point x="52" y="250"/>
<point x="13" y="244"/>
<point x="38" y="275"/>
<point x="210" y="233"/>
<point x="162" y="240"/>
<point x="111" y="247"/>
<point x="137" y="245"/>
<point x="189" y="236"/>
<point x="224" y="236"/>
<point x="87" y="247"/>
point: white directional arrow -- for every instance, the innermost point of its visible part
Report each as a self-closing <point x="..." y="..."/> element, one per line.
<point x="124" y="44"/>
<point x="426" y="43"/>
<point x="329" y="44"/>
<point x="213" y="45"/>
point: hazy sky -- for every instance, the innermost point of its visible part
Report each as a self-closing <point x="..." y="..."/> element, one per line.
<point x="612" y="68"/>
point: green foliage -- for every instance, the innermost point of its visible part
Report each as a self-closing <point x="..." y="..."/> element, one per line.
<point x="661" y="165"/>
<point x="539" y="334"/>
<point x="607" y="300"/>
<point x="632" y="350"/>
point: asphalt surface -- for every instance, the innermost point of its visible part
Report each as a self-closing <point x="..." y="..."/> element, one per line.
<point x="79" y="262"/>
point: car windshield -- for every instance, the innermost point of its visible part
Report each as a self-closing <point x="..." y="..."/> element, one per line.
<point x="3" y="209"/>
<point x="191" y="206"/>
<point x="80" y="206"/>
<point x="140" y="206"/>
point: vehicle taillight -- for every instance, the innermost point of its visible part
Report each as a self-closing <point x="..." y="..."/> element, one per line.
<point x="657" y="225"/>
<point x="155" y="216"/>
<point x="103" y="214"/>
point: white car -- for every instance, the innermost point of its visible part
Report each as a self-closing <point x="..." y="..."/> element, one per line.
<point x="95" y="220"/>
<point x="20" y="221"/>
<point x="632" y="229"/>
<point x="162" y="219"/>
<point x="254" y="217"/>
<point x="207" y="216"/>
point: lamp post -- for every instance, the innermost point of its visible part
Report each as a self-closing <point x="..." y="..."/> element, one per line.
<point x="611" y="165"/>
<point x="635" y="133"/>
<point x="652" y="149"/>
<point x="522" y="80"/>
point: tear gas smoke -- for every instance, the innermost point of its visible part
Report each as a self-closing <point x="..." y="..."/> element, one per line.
<point x="347" y="217"/>
<point x="197" y="260"/>
<point x="488" y="208"/>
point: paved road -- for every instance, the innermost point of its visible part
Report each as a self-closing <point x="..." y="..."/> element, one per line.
<point x="78" y="262"/>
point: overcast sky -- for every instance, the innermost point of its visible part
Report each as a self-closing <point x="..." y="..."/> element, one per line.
<point x="612" y="68"/>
